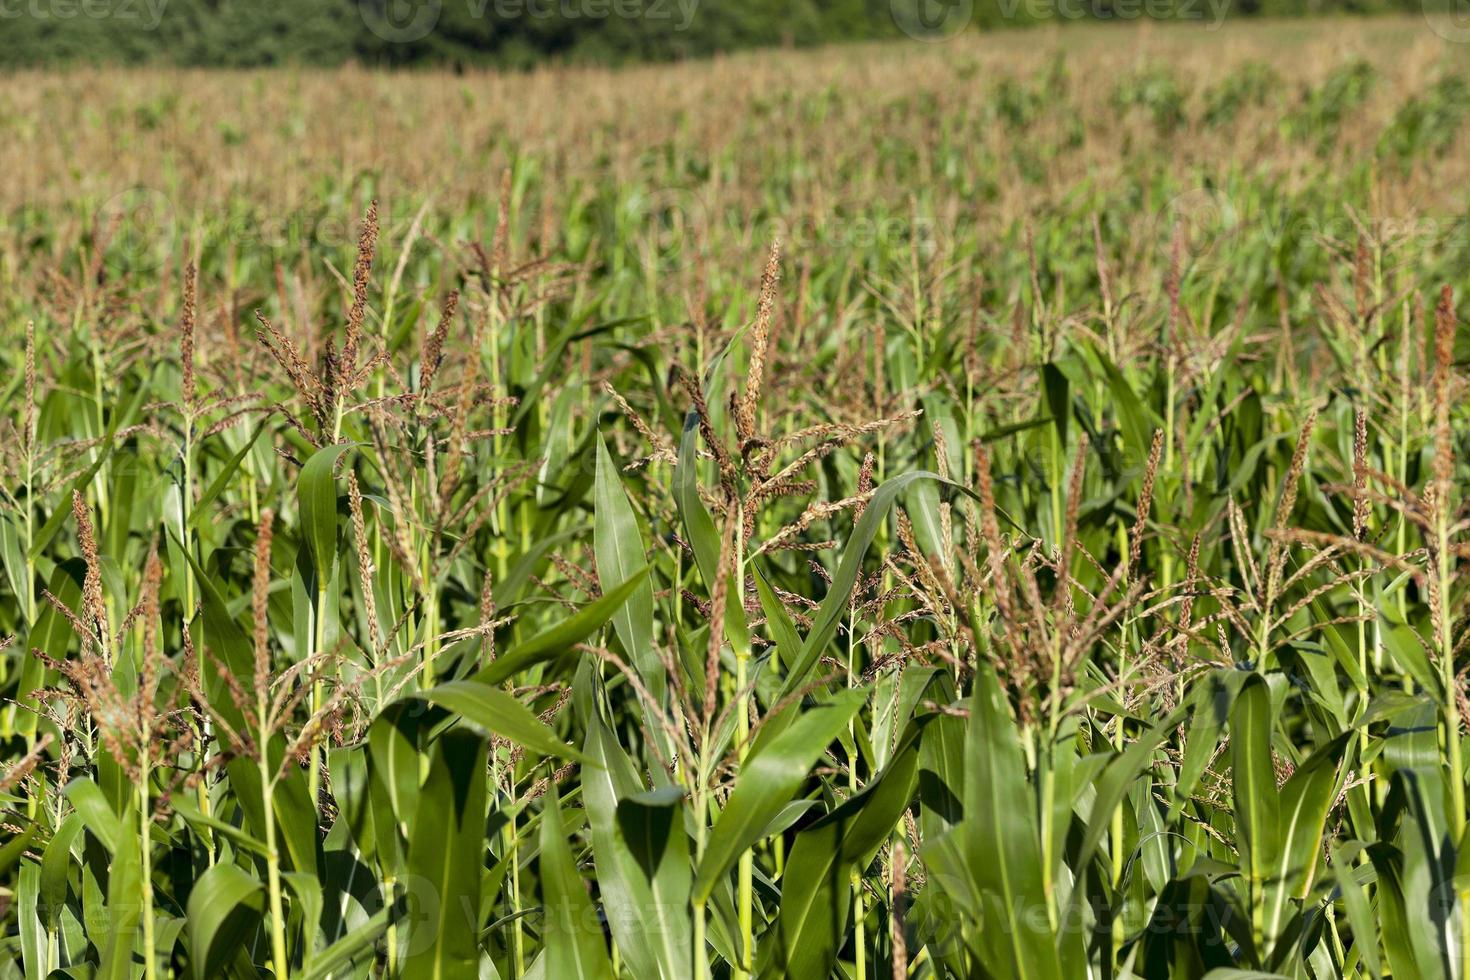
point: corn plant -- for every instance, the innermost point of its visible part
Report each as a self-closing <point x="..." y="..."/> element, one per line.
<point x="692" y="561"/>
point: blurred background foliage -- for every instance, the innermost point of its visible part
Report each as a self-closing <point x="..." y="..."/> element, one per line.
<point x="523" y="33"/>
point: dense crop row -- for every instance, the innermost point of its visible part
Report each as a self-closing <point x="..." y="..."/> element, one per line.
<point x="1046" y="577"/>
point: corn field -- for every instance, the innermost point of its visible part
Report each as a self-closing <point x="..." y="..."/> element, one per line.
<point x="987" y="510"/>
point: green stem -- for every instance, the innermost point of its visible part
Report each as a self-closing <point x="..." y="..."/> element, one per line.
<point x="746" y="875"/>
<point x="1452" y="716"/>
<point x="318" y="753"/>
<point x="701" y="960"/>
<point x="390" y="887"/>
<point x="1048" y="782"/>
<point x="186" y="536"/>
<point x="701" y="965"/>
<point x="280" y="965"/>
<point x="145" y="826"/>
<point x="1115" y="825"/>
<point x="855" y="882"/>
<point x="518" y="937"/>
<point x="1166" y="563"/>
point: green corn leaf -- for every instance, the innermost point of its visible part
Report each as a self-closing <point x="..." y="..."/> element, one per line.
<point x="446" y="854"/>
<point x="620" y="553"/>
<point x="824" y="625"/>
<point x="813" y="910"/>
<point x="28" y="921"/>
<point x="557" y="640"/>
<point x="56" y="868"/>
<point x="645" y="893"/>
<point x="347" y="954"/>
<point x="771" y="774"/>
<point x="201" y="509"/>
<point x="496" y="711"/>
<point x="393" y="778"/>
<point x="778" y="622"/>
<point x="699" y="526"/>
<point x="226" y="906"/>
<point x="120" y="934"/>
<point x="1305" y="801"/>
<point x="316" y="496"/>
<point x="191" y="815"/>
<point x="1253" y="777"/>
<point x="1359" y="912"/>
<point x="574" y="946"/>
<point x="1001" y="841"/>
<point x="61" y="514"/>
<point x="86" y="797"/>
<point x="1403" y="939"/>
<point x="1213" y="698"/>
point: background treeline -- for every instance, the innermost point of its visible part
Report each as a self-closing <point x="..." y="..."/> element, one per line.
<point x="519" y="33"/>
